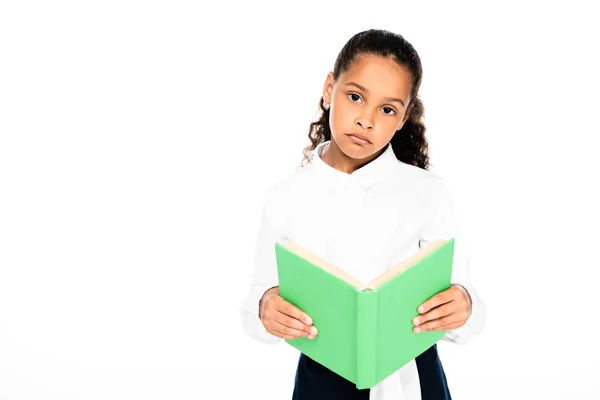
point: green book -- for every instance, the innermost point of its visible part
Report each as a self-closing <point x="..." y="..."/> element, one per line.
<point x="365" y="331"/>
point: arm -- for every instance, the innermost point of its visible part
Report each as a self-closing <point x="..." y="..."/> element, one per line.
<point x="443" y="223"/>
<point x="263" y="278"/>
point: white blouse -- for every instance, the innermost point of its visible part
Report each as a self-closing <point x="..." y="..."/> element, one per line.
<point x="364" y="223"/>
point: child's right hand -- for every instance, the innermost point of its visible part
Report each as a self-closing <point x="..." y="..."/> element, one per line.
<point x="283" y="319"/>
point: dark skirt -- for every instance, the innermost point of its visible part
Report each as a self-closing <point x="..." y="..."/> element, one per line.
<point x="315" y="382"/>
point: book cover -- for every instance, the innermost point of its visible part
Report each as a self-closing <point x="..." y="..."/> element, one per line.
<point x="365" y="330"/>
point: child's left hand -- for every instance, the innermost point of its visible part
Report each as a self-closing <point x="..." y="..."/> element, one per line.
<point x="446" y="310"/>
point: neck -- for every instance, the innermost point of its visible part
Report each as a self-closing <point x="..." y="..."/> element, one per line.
<point x="335" y="158"/>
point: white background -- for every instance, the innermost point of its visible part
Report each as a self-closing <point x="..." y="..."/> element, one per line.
<point x="136" y="141"/>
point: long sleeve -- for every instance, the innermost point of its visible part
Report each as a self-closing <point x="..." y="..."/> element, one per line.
<point x="443" y="223"/>
<point x="264" y="276"/>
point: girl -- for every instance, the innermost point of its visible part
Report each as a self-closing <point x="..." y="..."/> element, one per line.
<point x="364" y="202"/>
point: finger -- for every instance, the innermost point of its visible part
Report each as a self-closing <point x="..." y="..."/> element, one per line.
<point x="280" y="334"/>
<point x="458" y="318"/>
<point x="291" y="322"/>
<point x="449" y="327"/>
<point x="463" y="316"/>
<point x="293" y="311"/>
<point x="435" y="324"/>
<point x="285" y="331"/>
<point x="438" y="299"/>
<point x="437" y="312"/>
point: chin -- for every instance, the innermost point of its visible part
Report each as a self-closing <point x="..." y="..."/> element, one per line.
<point x="353" y="149"/>
<point x="357" y="152"/>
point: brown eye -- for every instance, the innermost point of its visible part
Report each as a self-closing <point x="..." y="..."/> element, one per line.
<point x="390" y="110"/>
<point x="353" y="94"/>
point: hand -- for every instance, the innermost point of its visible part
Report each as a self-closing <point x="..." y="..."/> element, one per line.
<point x="447" y="310"/>
<point x="283" y="319"/>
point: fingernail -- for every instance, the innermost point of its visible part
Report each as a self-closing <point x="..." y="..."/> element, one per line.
<point x="416" y="321"/>
<point x="417" y="330"/>
<point x="313" y="331"/>
<point x="421" y="309"/>
<point x="311" y="337"/>
<point x="308" y="321"/>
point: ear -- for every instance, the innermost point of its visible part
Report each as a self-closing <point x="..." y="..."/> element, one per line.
<point x="328" y="88"/>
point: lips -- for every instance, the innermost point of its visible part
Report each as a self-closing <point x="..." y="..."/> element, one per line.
<point x="358" y="135"/>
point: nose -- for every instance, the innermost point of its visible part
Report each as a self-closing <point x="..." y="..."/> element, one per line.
<point x="364" y="122"/>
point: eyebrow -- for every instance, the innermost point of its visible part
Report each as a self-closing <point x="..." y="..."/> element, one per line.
<point x="366" y="91"/>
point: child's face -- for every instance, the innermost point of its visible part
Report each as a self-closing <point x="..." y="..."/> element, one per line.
<point x="368" y="110"/>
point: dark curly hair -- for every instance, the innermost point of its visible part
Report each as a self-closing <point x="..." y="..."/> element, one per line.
<point x="409" y="143"/>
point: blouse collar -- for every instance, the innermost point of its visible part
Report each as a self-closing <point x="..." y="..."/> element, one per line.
<point x="366" y="176"/>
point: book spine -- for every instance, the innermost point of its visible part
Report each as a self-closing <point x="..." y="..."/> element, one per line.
<point x="366" y="338"/>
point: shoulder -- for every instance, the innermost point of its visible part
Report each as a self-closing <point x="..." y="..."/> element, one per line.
<point x="289" y="183"/>
<point x="428" y="191"/>
<point x="289" y="188"/>
<point x="284" y="196"/>
<point x="419" y="180"/>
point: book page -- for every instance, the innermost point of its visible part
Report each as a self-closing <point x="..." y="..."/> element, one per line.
<point x="316" y="260"/>
<point x="407" y="263"/>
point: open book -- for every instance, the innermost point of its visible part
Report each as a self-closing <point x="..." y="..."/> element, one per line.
<point x="365" y="329"/>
